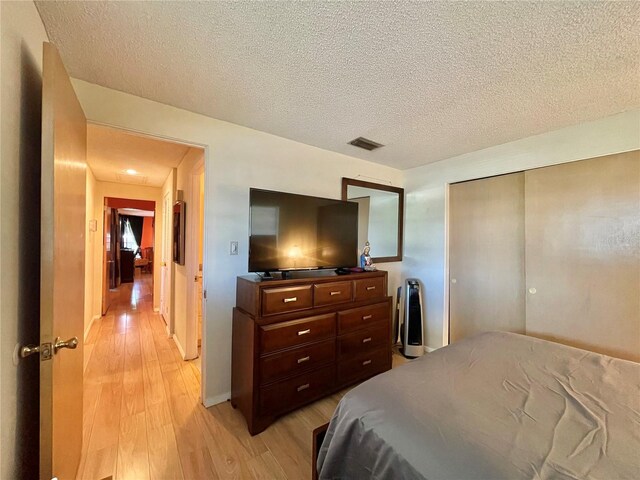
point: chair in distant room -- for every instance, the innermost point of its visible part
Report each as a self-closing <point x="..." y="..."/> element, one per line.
<point x="147" y="254"/>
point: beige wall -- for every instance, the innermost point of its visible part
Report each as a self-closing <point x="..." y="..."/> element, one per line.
<point x="237" y="158"/>
<point x="426" y="205"/>
<point x="22" y="34"/>
<point x="121" y="190"/>
<point x="93" y="243"/>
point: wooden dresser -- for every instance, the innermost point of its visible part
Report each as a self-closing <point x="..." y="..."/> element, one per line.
<point x="298" y="340"/>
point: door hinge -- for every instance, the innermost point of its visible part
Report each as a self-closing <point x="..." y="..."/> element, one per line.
<point x="204" y="294"/>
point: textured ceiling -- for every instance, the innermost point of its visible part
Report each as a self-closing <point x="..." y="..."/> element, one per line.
<point x="428" y="79"/>
<point x="110" y="152"/>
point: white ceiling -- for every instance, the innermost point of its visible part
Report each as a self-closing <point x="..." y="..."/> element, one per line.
<point x="428" y="79"/>
<point x="110" y="152"/>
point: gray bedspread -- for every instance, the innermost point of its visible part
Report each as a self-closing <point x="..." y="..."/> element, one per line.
<point x="494" y="406"/>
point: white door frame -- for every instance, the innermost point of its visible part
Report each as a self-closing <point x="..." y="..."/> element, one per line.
<point x="206" y="260"/>
<point x="191" y="261"/>
<point x="447" y="277"/>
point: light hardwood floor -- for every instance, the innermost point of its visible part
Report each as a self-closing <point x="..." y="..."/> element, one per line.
<point x="143" y="417"/>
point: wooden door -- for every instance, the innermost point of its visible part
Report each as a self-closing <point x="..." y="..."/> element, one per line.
<point x="486" y="256"/>
<point x="62" y="269"/>
<point x="583" y="254"/>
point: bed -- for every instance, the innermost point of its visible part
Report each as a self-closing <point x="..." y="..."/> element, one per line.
<point x="494" y="406"/>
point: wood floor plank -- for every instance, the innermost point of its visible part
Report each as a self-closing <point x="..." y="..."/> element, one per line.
<point x="120" y="322"/>
<point x="265" y="467"/>
<point x="148" y="346"/>
<point x="132" y="383"/>
<point x="234" y="422"/>
<point x="192" y="448"/>
<point x="90" y="399"/>
<point x="132" y="392"/>
<point x="164" y="462"/>
<point x="230" y="457"/>
<point x="100" y="463"/>
<point x="153" y="383"/>
<point x="158" y="415"/>
<point x="191" y="378"/>
<point x="106" y="421"/>
<point x="294" y="459"/>
<point x="133" y="450"/>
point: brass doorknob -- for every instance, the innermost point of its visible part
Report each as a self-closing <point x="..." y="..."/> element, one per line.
<point x="29" y="350"/>
<point x="72" y="343"/>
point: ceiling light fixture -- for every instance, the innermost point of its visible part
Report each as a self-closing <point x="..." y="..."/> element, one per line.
<point x="131" y="171"/>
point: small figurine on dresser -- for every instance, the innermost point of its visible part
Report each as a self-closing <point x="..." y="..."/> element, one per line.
<point x="365" y="259"/>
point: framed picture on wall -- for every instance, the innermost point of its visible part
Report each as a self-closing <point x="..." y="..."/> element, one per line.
<point x="179" y="212"/>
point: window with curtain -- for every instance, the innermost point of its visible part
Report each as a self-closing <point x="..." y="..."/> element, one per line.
<point x="128" y="238"/>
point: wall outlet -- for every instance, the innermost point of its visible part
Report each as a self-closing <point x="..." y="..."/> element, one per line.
<point x="233" y="248"/>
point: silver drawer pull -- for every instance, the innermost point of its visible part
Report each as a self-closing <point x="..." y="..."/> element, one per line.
<point x="365" y="340"/>
<point x="367" y="317"/>
<point x="292" y="299"/>
<point x="366" y="362"/>
<point x="335" y="293"/>
<point x="303" y="387"/>
<point x="371" y="288"/>
<point x="304" y="332"/>
<point x="304" y="359"/>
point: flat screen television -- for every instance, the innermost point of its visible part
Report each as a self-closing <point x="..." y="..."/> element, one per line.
<point x="298" y="232"/>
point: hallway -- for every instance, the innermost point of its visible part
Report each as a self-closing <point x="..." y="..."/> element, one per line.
<point x="143" y="417"/>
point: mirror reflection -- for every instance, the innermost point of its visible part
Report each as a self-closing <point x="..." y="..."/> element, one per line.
<point x="379" y="217"/>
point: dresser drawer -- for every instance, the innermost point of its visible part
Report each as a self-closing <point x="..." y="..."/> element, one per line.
<point x="293" y="362"/>
<point x="296" y="332"/>
<point x="296" y="391"/>
<point x="367" y="288"/>
<point x="286" y="299"/>
<point x="332" y="293"/>
<point x="356" y="318"/>
<point x="364" y="366"/>
<point x="363" y="341"/>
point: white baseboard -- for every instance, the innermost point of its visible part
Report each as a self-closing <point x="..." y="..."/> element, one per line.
<point x="180" y="349"/>
<point x="156" y="310"/>
<point x="93" y="319"/>
<point x="211" y="401"/>
<point x="429" y="349"/>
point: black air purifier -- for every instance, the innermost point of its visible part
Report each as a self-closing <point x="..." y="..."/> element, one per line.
<point x="412" y="327"/>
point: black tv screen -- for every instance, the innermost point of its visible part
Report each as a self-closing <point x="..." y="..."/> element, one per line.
<point x="299" y="232"/>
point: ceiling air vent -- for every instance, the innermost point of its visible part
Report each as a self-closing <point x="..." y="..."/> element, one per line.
<point x="365" y="143"/>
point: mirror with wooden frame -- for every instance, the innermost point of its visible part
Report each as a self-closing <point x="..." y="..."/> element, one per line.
<point x="380" y="217"/>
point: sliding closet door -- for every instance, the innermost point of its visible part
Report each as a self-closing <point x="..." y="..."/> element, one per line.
<point x="486" y="256"/>
<point x="583" y="254"/>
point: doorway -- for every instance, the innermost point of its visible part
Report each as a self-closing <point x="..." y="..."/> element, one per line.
<point x="136" y="348"/>
<point x="128" y="246"/>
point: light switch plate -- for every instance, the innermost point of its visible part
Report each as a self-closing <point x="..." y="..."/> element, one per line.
<point x="233" y="248"/>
